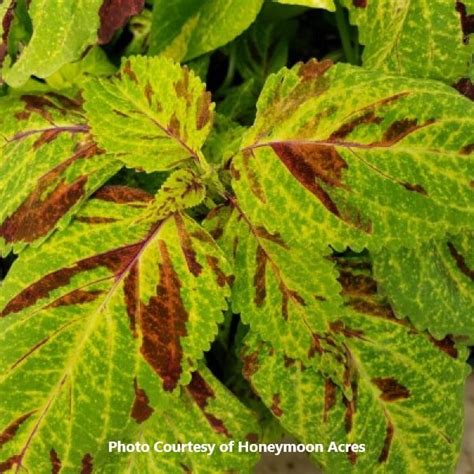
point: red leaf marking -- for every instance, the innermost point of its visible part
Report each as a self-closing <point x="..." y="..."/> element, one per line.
<point x="387" y="443"/>
<point x="465" y="87"/>
<point x="76" y="297"/>
<point x="141" y="410"/>
<point x="116" y="261"/>
<point x="122" y="194"/>
<point x="221" y="278"/>
<point x="311" y="163"/>
<point x="86" y="464"/>
<point x="250" y="367"/>
<point x="201" y="392"/>
<point x="460" y="262"/>
<point x="446" y="345"/>
<point x="367" y="118"/>
<point x="203" y="110"/>
<point x="6" y="24"/>
<point x="391" y="389"/>
<point x="260" y="277"/>
<point x="52" y="198"/>
<point x="314" y="69"/>
<point x="55" y="462"/>
<point x="114" y="14"/>
<point x="10" y="431"/>
<point x="10" y="462"/>
<point x="186" y="245"/>
<point x="276" y="408"/>
<point x="330" y="389"/>
<point x="467" y="21"/>
<point x="163" y="324"/>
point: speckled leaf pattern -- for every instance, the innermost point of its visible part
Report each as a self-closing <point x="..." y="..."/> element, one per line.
<point x="409" y="418"/>
<point x="154" y="114"/>
<point x="416" y="38"/>
<point x="204" y="412"/>
<point x="287" y="293"/>
<point x="58" y="38"/>
<point x="383" y="168"/>
<point x="49" y="166"/>
<point x="186" y="29"/>
<point x="432" y="284"/>
<point x="125" y="290"/>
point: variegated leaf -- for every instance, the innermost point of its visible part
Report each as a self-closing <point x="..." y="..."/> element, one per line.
<point x="49" y="165"/>
<point x="154" y="114"/>
<point x="204" y="412"/>
<point x="415" y="38"/>
<point x="329" y="162"/>
<point x="62" y="32"/>
<point x="409" y="418"/>
<point x="125" y="290"/>
<point x="287" y="293"/>
<point x="433" y="285"/>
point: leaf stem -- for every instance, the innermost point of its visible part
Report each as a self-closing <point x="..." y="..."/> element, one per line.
<point x="344" y="34"/>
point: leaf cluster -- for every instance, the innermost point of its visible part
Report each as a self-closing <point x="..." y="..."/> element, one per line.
<point x="285" y="251"/>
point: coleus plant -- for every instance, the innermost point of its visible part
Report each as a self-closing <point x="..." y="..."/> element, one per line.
<point x="186" y="274"/>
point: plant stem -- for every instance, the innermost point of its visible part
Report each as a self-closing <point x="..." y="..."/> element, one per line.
<point x="344" y="33"/>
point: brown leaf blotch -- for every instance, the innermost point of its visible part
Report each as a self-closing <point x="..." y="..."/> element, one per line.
<point x="342" y="132"/>
<point x="55" y="462"/>
<point x="359" y="3"/>
<point x="465" y="87"/>
<point x="460" y="261"/>
<point x="116" y="261"/>
<point x="127" y="69"/>
<point x="204" y="114"/>
<point x="276" y="408"/>
<point x="314" y="69"/>
<point x="114" y="14"/>
<point x="10" y="431"/>
<point x="201" y="392"/>
<point x="387" y="443"/>
<point x="141" y="409"/>
<point x="446" y="345"/>
<point x="312" y="164"/>
<point x="330" y="390"/>
<point x="467" y="21"/>
<point x="417" y="188"/>
<point x="122" y="194"/>
<point x="87" y="464"/>
<point x="250" y="365"/>
<point x="259" y="280"/>
<point x="391" y="390"/>
<point x="76" y="297"/>
<point x="163" y="324"/>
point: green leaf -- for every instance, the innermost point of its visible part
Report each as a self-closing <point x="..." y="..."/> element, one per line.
<point x="286" y="292"/>
<point x="205" y="412"/>
<point x="432" y="284"/>
<point x="125" y="292"/>
<point x="186" y="29"/>
<point x="154" y="114"/>
<point x="94" y="63"/>
<point x="420" y="39"/>
<point x="348" y="157"/>
<point x="224" y="140"/>
<point x="49" y="165"/>
<point x="57" y="39"/>
<point x="62" y="32"/>
<point x="409" y="418"/>
<point x="325" y="4"/>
